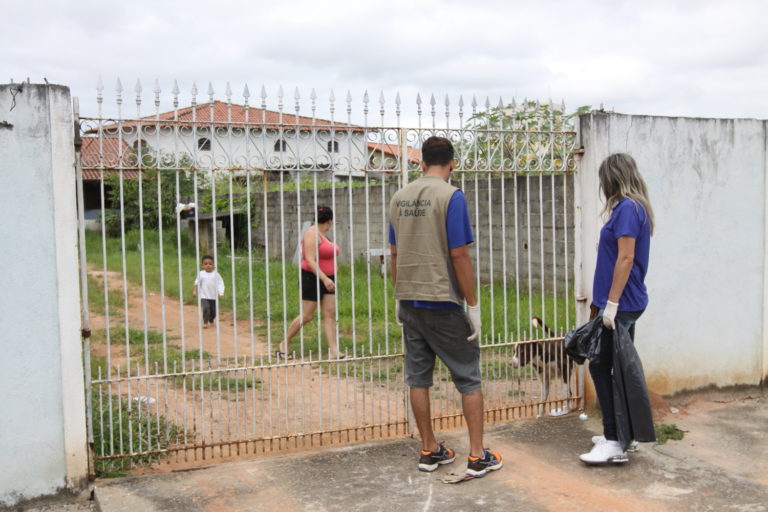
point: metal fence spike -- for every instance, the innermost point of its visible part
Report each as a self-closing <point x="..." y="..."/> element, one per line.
<point x="501" y="103"/>
<point x="210" y="91"/>
<point x="461" y="101"/>
<point x="487" y="103"/>
<point x="365" y="97"/>
<point x="263" y="92"/>
<point x="313" y="95"/>
<point x="157" y="89"/>
<point x="332" y="97"/>
<point x="381" y="98"/>
<point x="349" y="96"/>
<point x="296" y="94"/>
<point x="246" y="93"/>
<point x="99" y="85"/>
<point x="474" y="102"/>
<point x="119" y="86"/>
<point x="432" y="100"/>
<point x="228" y="93"/>
<point x="280" y="93"/>
<point x="175" y="89"/>
<point x="418" y="99"/>
<point x="194" y="89"/>
<point x="397" y="99"/>
<point x="447" y="101"/>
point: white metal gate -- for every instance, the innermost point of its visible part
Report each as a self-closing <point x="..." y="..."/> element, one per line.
<point x="161" y="188"/>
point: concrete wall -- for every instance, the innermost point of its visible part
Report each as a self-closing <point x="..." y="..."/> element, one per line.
<point x="42" y="426"/>
<point x="705" y="324"/>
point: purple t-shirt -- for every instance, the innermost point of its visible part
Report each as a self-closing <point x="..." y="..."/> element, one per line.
<point x="459" y="230"/>
<point x="627" y="219"/>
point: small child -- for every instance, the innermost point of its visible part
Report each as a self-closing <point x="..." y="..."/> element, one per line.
<point x="211" y="287"/>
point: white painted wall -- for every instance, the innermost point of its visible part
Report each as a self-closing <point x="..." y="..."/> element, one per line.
<point x="705" y="322"/>
<point x="42" y="425"/>
<point x="234" y="150"/>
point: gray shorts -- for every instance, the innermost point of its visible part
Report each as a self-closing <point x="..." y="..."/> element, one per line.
<point x="441" y="332"/>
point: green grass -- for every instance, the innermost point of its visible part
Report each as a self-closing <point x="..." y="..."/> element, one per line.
<point x="132" y="430"/>
<point x="380" y="333"/>
<point x="97" y="302"/>
<point x="135" y="336"/>
<point x="666" y="431"/>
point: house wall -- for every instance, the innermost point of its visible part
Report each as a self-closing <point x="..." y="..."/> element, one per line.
<point x="42" y="427"/>
<point x="257" y="150"/>
<point x="706" y="321"/>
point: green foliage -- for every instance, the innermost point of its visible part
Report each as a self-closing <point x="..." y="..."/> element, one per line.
<point x="156" y="207"/>
<point x="666" y="431"/>
<point x="525" y="137"/>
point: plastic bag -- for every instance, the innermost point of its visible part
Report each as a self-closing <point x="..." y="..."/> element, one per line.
<point x="632" y="405"/>
<point x="584" y="342"/>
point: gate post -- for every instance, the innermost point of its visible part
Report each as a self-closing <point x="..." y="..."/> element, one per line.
<point x="41" y="372"/>
<point x="587" y="223"/>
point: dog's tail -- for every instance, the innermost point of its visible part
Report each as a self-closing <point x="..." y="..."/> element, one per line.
<point x="538" y="322"/>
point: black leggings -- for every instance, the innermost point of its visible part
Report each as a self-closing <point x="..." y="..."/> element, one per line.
<point x="602" y="372"/>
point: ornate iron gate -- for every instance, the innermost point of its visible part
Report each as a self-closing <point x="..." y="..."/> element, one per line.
<point x="240" y="183"/>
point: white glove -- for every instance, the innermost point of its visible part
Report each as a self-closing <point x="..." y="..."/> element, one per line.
<point x="397" y="313"/>
<point x="473" y="312"/>
<point x="609" y="314"/>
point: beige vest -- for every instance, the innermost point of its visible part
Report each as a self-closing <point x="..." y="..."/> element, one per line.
<point x="424" y="268"/>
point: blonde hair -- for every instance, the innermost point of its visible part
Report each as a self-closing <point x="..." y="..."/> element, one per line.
<point x="619" y="178"/>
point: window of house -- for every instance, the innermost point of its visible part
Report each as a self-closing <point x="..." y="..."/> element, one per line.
<point x="281" y="145"/>
<point x="204" y="144"/>
<point x="333" y="146"/>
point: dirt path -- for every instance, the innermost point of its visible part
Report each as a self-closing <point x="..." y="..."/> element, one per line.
<point x="183" y="324"/>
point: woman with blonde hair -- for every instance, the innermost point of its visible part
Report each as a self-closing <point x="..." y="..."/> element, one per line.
<point x="619" y="291"/>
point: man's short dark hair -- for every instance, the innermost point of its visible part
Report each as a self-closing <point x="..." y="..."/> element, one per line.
<point x="206" y="257"/>
<point x="437" y="151"/>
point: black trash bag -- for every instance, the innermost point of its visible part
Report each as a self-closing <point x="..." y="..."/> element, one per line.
<point x="584" y="342"/>
<point x="631" y="403"/>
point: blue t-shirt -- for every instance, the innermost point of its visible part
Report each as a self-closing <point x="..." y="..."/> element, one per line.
<point x="627" y="219"/>
<point x="459" y="230"/>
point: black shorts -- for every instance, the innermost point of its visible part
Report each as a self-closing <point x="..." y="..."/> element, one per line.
<point x="309" y="286"/>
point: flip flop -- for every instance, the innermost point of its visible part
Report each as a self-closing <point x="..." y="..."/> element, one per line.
<point x="282" y="355"/>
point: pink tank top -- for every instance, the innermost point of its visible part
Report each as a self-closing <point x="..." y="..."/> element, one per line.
<point x="325" y="256"/>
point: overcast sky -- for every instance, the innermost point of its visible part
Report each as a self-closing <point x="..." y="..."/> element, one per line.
<point x="692" y="58"/>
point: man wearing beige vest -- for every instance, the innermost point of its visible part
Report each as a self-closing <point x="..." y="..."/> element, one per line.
<point x="432" y="271"/>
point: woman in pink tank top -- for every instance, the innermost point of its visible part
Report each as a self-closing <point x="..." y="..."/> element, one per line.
<point x="318" y="268"/>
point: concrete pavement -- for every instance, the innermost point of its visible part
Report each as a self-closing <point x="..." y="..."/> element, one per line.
<point x="720" y="465"/>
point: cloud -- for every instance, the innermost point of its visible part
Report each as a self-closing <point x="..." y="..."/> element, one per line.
<point x="702" y="58"/>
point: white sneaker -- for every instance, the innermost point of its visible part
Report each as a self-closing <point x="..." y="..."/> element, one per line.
<point x="605" y="453"/>
<point x="560" y="411"/>
<point x="632" y="448"/>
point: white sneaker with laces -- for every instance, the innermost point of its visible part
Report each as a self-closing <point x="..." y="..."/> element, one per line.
<point x="607" y="452"/>
<point x="632" y="448"/>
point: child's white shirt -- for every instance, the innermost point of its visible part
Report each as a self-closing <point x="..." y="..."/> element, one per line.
<point x="209" y="285"/>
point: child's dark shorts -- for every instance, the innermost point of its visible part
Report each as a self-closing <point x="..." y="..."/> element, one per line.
<point x="309" y="286"/>
<point x="441" y="332"/>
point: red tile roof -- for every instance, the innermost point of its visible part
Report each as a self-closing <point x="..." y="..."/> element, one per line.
<point x="110" y="155"/>
<point x="414" y="154"/>
<point x="220" y="116"/>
